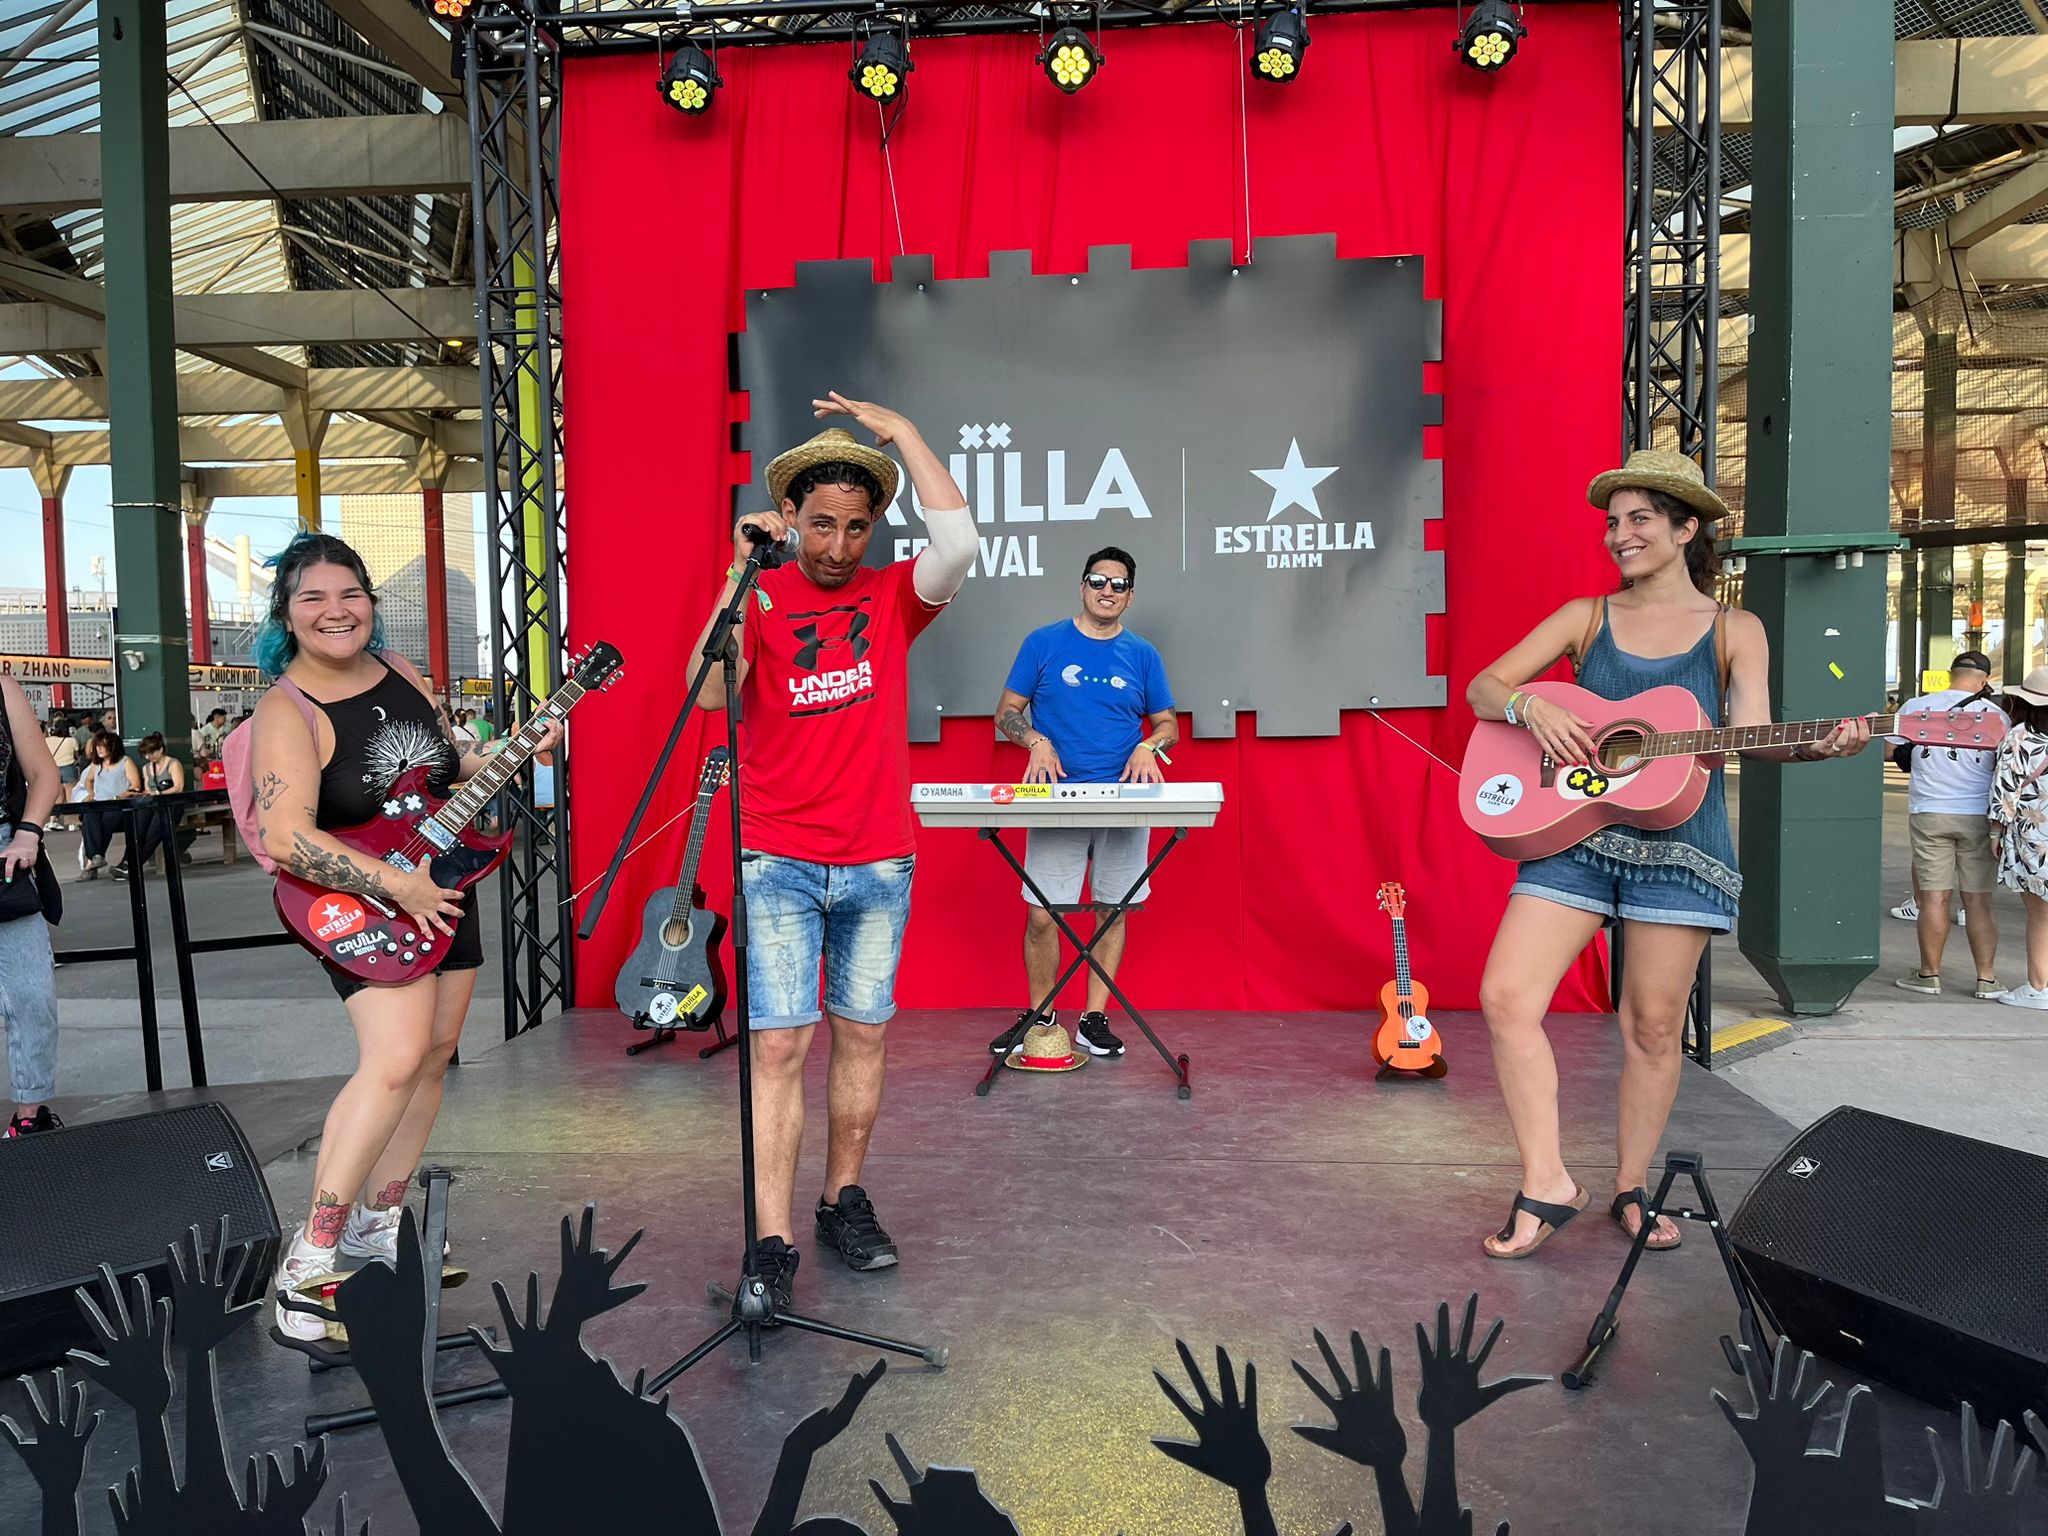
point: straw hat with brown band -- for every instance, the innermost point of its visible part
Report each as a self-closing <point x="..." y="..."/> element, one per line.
<point x="1659" y="469"/>
<point x="834" y="445"/>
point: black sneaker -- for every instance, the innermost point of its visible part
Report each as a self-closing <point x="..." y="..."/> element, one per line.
<point x="28" y="1125"/>
<point x="850" y="1226"/>
<point x="1093" y="1036"/>
<point x="1013" y="1037"/>
<point x="775" y="1262"/>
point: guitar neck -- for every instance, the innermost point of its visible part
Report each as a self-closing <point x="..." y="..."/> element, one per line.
<point x="1403" y="983"/>
<point x="686" y="883"/>
<point x="466" y="803"/>
<point x="1744" y="738"/>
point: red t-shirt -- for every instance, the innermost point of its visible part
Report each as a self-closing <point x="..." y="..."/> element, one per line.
<point x="825" y="715"/>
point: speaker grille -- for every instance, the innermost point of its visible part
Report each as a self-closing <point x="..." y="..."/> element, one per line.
<point x="120" y="1192"/>
<point x="1936" y="1224"/>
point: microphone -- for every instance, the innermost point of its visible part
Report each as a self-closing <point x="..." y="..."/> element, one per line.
<point x="788" y="545"/>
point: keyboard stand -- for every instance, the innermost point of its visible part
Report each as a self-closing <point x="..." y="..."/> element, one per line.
<point x="1085" y="955"/>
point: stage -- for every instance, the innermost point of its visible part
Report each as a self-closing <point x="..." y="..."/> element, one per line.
<point x="1057" y="1237"/>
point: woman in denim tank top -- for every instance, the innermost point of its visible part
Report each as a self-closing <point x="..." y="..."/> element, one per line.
<point x="1669" y="890"/>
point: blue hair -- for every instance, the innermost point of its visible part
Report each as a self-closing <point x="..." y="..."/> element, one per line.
<point x="275" y="647"/>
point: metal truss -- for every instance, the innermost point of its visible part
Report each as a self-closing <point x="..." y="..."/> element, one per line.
<point x="512" y="83"/>
<point x="1672" y="110"/>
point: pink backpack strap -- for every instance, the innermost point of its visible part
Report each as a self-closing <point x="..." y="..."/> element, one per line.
<point x="307" y="711"/>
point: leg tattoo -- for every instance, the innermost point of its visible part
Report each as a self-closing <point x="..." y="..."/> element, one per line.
<point x="392" y="1194"/>
<point x="330" y="1215"/>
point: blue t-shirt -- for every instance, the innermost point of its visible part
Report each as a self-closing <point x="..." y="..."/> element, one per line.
<point x="1090" y="696"/>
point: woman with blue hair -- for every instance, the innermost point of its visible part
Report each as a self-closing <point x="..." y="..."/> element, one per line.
<point x="328" y="766"/>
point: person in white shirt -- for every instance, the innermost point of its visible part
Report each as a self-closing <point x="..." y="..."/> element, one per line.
<point x="1950" y="830"/>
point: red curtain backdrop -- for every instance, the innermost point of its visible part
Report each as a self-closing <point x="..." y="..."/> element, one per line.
<point x="1509" y="187"/>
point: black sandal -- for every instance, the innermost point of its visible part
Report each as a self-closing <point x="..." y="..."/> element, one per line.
<point x="1551" y="1218"/>
<point x="1655" y="1241"/>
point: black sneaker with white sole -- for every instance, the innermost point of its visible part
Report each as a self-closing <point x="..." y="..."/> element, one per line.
<point x="850" y="1226"/>
<point x="1013" y="1037"/>
<point x="1094" y="1037"/>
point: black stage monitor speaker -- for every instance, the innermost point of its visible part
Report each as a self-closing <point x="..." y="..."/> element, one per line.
<point x="1914" y="1256"/>
<point x="119" y="1192"/>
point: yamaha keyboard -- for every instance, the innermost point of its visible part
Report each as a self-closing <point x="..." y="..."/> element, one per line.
<point x="1066" y="805"/>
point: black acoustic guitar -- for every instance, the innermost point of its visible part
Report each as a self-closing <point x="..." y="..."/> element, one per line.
<point x="674" y="978"/>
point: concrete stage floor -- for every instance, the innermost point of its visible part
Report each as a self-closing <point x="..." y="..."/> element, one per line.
<point x="1057" y="1237"/>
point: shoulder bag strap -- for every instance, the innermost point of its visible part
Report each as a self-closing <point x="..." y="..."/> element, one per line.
<point x="1592" y="634"/>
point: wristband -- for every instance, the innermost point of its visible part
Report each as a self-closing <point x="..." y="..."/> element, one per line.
<point x="1508" y="709"/>
<point x="30" y="826"/>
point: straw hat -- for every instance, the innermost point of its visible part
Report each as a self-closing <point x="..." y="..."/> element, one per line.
<point x="834" y="445"/>
<point x="1046" y="1048"/>
<point x="1657" y="469"/>
<point x="2035" y="689"/>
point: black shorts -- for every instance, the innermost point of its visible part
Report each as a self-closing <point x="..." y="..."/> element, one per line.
<point x="465" y="953"/>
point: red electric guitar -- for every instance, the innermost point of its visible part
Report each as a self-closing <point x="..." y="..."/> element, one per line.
<point x="1652" y="767"/>
<point x="1405" y="1041"/>
<point x="371" y="939"/>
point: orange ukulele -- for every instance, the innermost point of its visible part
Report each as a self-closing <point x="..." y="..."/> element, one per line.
<point x="1405" y="1040"/>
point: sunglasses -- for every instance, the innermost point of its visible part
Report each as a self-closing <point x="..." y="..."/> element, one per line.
<point x="1096" y="581"/>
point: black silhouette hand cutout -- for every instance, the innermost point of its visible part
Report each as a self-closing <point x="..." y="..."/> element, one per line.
<point x="1451" y="1393"/>
<point x="828" y="1424"/>
<point x="584" y="1289"/>
<point x="943" y="1501"/>
<point x="56" y="1456"/>
<point x="1777" y="1431"/>
<point x="203" y="1293"/>
<point x="341" y="1521"/>
<point x="1993" y="1491"/>
<point x="1368" y="1430"/>
<point x="384" y="1309"/>
<point x="1227" y="1445"/>
<point x="285" y="1500"/>
<point x="134" y="1362"/>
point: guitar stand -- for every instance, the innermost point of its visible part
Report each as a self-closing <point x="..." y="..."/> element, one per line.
<point x="327" y="1357"/>
<point x="1436" y="1068"/>
<point x="1747" y="1303"/>
<point x="1084" y="953"/>
<point x="663" y="1033"/>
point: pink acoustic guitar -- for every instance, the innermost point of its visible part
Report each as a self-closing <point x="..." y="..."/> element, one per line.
<point x="1651" y="769"/>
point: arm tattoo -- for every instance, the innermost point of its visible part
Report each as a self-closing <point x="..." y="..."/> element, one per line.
<point x="268" y="788"/>
<point x="311" y="862"/>
<point x="1013" y="725"/>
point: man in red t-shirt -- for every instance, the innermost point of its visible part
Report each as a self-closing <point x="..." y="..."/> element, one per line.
<point x="827" y="847"/>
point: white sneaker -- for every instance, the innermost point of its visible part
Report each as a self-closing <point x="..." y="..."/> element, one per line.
<point x="372" y="1234"/>
<point x="1907" y="910"/>
<point x="300" y="1263"/>
<point x="2025" y="996"/>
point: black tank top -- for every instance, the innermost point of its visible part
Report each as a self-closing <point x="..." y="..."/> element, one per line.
<point x="378" y="734"/>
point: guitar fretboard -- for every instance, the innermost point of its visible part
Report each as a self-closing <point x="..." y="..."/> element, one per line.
<point x="686" y="885"/>
<point x="1744" y="738"/>
<point x="1403" y="985"/>
<point x="466" y="803"/>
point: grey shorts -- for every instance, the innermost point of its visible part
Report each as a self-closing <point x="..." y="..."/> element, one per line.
<point x="1057" y="857"/>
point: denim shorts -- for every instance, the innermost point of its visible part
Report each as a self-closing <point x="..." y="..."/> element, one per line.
<point x="1635" y="898"/>
<point x="850" y="917"/>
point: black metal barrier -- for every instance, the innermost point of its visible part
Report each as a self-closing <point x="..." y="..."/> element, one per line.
<point x="164" y="812"/>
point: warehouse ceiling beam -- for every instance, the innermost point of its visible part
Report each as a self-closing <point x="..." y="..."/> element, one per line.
<point x="234" y="394"/>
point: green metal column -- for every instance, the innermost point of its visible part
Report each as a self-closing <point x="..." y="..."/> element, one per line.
<point x="150" y="655"/>
<point x="1938" y="501"/>
<point x="2015" y="607"/>
<point x="1908" y="645"/>
<point x="1819" y="461"/>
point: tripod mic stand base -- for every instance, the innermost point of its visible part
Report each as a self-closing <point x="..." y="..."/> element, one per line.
<point x="754" y="1311"/>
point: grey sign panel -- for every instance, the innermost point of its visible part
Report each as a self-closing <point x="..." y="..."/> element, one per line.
<point x="1252" y="434"/>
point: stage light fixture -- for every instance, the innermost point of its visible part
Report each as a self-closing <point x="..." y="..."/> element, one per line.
<point x="456" y="11"/>
<point x="1491" y="35"/>
<point x="1279" y="45"/>
<point x="883" y="69"/>
<point x="1069" y="59"/>
<point x="689" y="79"/>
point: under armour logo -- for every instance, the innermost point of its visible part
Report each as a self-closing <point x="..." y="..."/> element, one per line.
<point x="812" y="642"/>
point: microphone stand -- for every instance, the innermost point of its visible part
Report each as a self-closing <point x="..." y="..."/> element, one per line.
<point x="753" y="1304"/>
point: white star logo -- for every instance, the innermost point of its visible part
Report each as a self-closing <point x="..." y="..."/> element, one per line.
<point x="331" y="911"/>
<point x="1294" y="483"/>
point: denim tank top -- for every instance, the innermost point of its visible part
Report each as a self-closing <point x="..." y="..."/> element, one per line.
<point x="1698" y="853"/>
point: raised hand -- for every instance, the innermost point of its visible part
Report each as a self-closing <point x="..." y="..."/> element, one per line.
<point x="1451" y="1392"/>
<point x="1777" y="1430"/>
<point x="203" y="1293"/>
<point x="828" y="1424"/>
<point x="285" y="1499"/>
<point x="527" y="1342"/>
<point x="1368" y="1430"/>
<point x="56" y="1456"/>
<point x="1227" y="1446"/>
<point x="134" y="1362"/>
<point x="584" y="1289"/>
<point x="887" y="425"/>
<point x="943" y="1501"/>
<point x="384" y="1309"/>
<point x="1994" y="1491"/>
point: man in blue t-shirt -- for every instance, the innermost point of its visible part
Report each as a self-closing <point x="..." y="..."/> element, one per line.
<point x="1099" y="712"/>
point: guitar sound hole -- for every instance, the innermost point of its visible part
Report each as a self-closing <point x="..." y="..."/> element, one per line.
<point x="1617" y="749"/>
<point x="675" y="933"/>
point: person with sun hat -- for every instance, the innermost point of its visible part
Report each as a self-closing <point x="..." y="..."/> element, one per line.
<point x="827" y="842"/>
